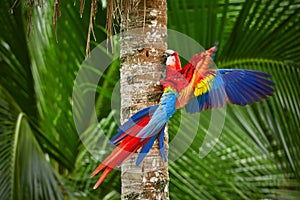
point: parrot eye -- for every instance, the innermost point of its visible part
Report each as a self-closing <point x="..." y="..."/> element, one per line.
<point x="170" y="60"/>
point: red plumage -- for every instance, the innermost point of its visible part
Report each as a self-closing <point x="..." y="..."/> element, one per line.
<point x="195" y="87"/>
<point x="128" y="146"/>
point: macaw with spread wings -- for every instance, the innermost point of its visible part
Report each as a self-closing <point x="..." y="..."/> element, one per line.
<point x="195" y="87"/>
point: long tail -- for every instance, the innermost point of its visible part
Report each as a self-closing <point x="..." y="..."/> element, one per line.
<point x="137" y="132"/>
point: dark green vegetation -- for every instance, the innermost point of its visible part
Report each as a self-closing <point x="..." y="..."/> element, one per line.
<point x="42" y="157"/>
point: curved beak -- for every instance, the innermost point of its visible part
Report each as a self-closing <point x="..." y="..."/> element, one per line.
<point x="165" y="56"/>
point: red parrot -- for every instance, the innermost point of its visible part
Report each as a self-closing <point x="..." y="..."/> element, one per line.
<point x="195" y="87"/>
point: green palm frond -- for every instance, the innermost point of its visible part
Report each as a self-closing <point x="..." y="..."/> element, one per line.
<point x="38" y="76"/>
<point x="94" y="148"/>
<point x="265" y="29"/>
<point x="257" y="155"/>
<point x="25" y="171"/>
<point x="14" y="58"/>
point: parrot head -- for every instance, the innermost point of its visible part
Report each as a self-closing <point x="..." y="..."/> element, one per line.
<point x="172" y="60"/>
<point x="173" y="70"/>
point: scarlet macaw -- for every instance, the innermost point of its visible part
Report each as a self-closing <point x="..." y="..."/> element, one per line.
<point x="195" y="87"/>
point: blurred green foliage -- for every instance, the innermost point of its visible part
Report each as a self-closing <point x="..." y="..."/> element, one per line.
<point x="42" y="156"/>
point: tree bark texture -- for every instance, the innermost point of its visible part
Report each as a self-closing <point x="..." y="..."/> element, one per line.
<point x="142" y="43"/>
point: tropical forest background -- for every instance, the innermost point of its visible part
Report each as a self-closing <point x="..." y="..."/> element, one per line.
<point x="41" y="154"/>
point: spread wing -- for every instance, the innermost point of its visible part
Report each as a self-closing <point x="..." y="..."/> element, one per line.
<point x="236" y="86"/>
<point x="199" y="62"/>
<point x="196" y="74"/>
<point x="211" y="88"/>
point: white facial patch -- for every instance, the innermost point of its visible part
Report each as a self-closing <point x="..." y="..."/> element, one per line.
<point x="170" y="60"/>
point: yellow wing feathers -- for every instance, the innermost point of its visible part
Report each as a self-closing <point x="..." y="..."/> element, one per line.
<point x="204" y="85"/>
<point x="198" y="88"/>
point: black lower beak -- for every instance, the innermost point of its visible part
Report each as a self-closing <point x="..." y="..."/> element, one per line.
<point x="165" y="56"/>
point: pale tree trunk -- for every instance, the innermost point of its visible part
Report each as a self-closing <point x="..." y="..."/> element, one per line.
<point x="143" y="41"/>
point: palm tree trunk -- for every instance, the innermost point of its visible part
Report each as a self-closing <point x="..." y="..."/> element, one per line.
<point x="143" y="41"/>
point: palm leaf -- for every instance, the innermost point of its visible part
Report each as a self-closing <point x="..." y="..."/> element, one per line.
<point x="94" y="149"/>
<point x="15" y="61"/>
<point x="25" y="172"/>
<point x="39" y="76"/>
<point x="257" y="153"/>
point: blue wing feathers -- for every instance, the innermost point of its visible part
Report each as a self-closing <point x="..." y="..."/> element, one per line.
<point x="262" y="85"/>
<point x="235" y="98"/>
<point x="203" y="99"/>
<point x="138" y="127"/>
<point x="195" y="104"/>
<point x="161" y="144"/>
<point x="246" y="86"/>
<point x="247" y="94"/>
<point x="237" y="86"/>
<point x="146" y="148"/>
<point x="232" y="93"/>
<point x="256" y="85"/>
<point x="250" y="86"/>
<point x="213" y="100"/>
<point x="138" y="116"/>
